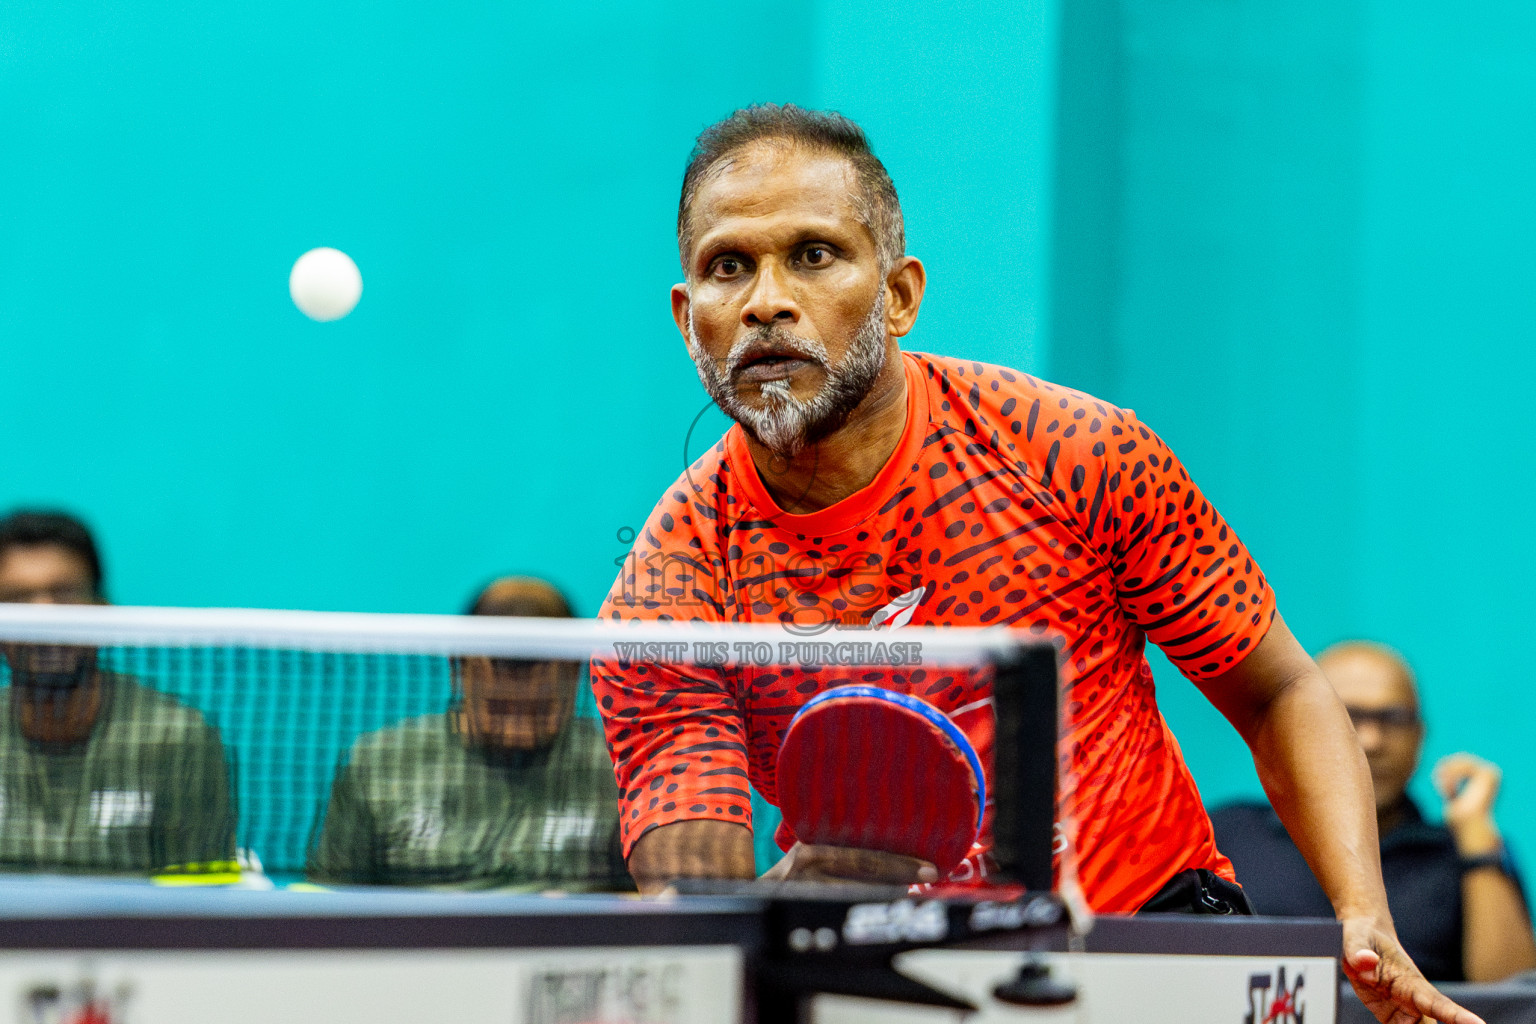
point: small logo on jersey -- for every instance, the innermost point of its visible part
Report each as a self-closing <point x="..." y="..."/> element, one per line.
<point x="1272" y="1001"/>
<point x="567" y="829"/>
<point x="900" y="611"/>
<point x="421" y="828"/>
<point x="121" y="808"/>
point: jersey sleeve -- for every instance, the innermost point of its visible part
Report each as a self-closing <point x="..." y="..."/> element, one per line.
<point x="675" y="732"/>
<point x="1181" y="573"/>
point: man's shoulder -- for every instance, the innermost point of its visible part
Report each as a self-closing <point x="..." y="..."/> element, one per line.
<point x="581" y="753"/>
<point x="991" y="389"/>
<point x="139" y="708"/>
<point x="583" y="742"/>
<point x="414" y="735"/>
<point x="1032" y="421"/>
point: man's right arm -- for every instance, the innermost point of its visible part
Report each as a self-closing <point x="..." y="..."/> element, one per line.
<point x="1496" y="940"/>
<point x="700" y="848"/>
<point x="675" y="732"/>
<point x="722" y="849"/>
<point x="677" y="735"/>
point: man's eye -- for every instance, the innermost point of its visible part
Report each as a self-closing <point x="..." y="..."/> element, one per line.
<point x="727" y="267"/>
<point x="816" y="256"/>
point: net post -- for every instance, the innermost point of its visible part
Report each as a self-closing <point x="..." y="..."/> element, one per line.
<point x="1025" y="699"/>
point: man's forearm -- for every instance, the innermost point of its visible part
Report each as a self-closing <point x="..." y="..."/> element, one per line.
<point x="1497" y="939"/>
<point x="1495" y="926"/>
<point x="692" y="849"/>
<point x="1316" y="776"/>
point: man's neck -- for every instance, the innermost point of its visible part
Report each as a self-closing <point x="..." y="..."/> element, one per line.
<point x="847" y="460"/>
<point x="1390" y="817"/>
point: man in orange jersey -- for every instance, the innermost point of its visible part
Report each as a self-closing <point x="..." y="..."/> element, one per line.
<point x="862" y="483"/>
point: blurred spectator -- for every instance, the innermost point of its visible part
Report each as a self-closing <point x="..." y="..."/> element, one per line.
<point x="97" y="773"/>
<point x="507" y="789"/>
<point x="1453" y="889"/>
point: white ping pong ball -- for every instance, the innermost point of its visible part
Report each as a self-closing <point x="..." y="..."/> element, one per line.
<point x="325" y="284"/>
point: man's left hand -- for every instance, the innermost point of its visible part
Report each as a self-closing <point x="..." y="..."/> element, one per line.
<point x="1388" y="983"/>
<point x="808" y="862"/>
<point x="1469" y="786"/>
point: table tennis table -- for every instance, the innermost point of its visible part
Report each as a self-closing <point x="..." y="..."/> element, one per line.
<point x="105" y="952"/>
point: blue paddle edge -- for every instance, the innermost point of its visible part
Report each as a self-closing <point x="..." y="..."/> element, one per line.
<point x="954" y="732"/>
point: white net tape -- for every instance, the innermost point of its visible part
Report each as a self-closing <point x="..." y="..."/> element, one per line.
<point x="493" y="636"/>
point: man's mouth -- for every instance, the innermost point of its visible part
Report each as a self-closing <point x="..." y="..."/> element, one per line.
<point x="501" y="708"/>
<point x="46" y="661"/>
<point x="766" y="365"/>
<point x="771" y="368"/>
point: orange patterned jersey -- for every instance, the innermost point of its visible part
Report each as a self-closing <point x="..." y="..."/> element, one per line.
<point x="1008" y="501"/>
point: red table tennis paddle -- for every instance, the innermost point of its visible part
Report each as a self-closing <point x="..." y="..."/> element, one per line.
<point x="870" y="768"/>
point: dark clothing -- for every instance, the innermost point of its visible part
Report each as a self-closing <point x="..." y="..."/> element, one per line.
<point x="147" y="793"/>
<point x="1419" y="864"/>
<point x="1198" y="891"/>
<point x="414" y="805"/>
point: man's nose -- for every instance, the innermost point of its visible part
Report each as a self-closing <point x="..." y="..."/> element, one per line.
<point x="1370" y="736"/>
<point x="771" y="299"/>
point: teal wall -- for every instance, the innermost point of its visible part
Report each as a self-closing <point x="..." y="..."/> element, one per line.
<point x="511" y="390"/>
<point x="1298" y="241"/>
<point x="1295" y="240"/>
<point x="510" y="385"/>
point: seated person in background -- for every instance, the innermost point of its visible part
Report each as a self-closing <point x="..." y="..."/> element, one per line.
<point x="97" y="773"/>
<point x="507" y="789"/>
<point x="1452" y="889"/>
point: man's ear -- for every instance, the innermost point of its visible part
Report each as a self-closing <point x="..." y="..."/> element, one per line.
<point x="680" y="305"/>
<point x="904" y="287"/>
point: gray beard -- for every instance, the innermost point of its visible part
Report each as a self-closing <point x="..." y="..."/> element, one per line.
<point x="783" y="423"/>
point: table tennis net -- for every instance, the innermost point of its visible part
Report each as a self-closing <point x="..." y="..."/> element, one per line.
<point x="405" y="750"/>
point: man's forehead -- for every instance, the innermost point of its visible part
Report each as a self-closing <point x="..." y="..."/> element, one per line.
<point x="45" y="559"/>
<point x="520" y="595"/>
<point x="1366" y="676"/>
<point x="777" y="180"/>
